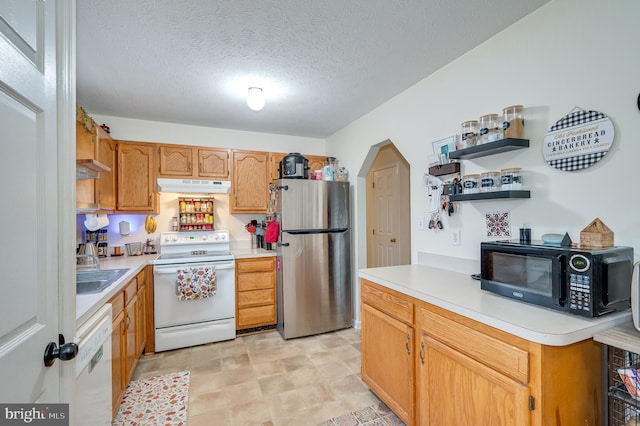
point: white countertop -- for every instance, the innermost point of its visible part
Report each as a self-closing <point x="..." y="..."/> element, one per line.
<point x="459" y="293"/>
<point x="88" y="304"/>
<point x="241" y="253"/>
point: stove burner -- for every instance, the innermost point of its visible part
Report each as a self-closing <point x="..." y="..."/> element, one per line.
<point x="198" y="252"/>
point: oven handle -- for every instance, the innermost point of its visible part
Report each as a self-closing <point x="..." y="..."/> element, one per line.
<point x="172" y="269"/>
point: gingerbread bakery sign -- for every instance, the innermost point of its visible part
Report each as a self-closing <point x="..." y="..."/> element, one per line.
<point x="578" y="140"/>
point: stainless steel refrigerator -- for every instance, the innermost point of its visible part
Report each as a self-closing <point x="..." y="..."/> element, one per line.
<point x="313" y="263"/>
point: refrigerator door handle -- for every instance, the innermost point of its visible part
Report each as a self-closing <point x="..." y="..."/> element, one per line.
<point x="315" y="231"/>
<point x="283" y="244"/>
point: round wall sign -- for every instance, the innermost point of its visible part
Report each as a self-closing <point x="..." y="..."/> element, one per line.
<point x="578" y="140"/>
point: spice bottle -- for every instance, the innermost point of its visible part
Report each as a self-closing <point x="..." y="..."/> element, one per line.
<point x="513" y="123"/>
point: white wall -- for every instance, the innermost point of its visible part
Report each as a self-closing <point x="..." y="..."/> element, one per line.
<point x="151" y="131"/>
<point x="568" y="53"/>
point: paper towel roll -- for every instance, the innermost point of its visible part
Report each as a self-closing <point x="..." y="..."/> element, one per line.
<point x="94" y="222"/>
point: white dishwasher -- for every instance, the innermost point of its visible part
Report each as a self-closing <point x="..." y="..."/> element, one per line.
<point x="93" y="370"/>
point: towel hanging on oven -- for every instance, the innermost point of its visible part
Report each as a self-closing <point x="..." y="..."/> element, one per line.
<point x="194" y="283"/>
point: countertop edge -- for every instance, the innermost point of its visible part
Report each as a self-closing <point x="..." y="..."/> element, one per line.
<point x="247" y="253"/>
<point x="586" y="330"/>
<point x="87" y="305"/>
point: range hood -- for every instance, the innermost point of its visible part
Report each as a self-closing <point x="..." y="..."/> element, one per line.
<point x="194" y="186"/>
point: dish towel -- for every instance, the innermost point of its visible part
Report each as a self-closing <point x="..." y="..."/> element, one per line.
<point x="196" y="283"/>
<point x="271" y="234"/>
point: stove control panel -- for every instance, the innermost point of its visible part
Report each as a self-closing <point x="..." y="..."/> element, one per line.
<point x="194" y="238"/>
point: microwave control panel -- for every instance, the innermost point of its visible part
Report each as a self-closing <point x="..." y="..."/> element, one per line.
<point x="579" y="283"/>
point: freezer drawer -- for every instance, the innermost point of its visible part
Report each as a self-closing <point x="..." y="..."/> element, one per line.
<point x="314" y="283"/>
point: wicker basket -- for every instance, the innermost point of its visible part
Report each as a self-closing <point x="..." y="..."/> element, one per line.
<point x="597" y="235"/>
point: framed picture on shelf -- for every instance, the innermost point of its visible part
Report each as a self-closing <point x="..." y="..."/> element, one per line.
<point x="442" y="148"/>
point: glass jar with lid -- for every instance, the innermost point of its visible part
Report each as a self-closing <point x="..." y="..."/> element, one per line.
<point x="489" y="181"/>
<point x="470" y="184"/>
<point x="490" y="130"/>
<point x="513" y="123"/>
<point x="469" y="134"/>
<point x="511" y="178"/>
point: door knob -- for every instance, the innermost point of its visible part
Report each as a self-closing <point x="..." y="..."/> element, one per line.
<point x="66" y="351"/>
<point x="393" y="240"/>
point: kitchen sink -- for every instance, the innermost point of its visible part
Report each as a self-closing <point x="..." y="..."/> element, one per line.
<point x="88" y="282"/>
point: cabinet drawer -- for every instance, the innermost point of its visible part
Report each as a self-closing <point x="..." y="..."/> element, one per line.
<point x="256" y="298"/>
<point x="259" y="315"/>
<point x="501" y="356"/>
<point x="141" y="279"/>
<point x="130" y="291"/>
<point x="266" y="265"/>
<point x="255" y="281"/>
<point x="387" y="301"/>
<point x="117" y="304"/>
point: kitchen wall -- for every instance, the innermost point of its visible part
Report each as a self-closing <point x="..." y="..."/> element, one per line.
<point x="569" y="53"/>
<point x="151" y="131"/>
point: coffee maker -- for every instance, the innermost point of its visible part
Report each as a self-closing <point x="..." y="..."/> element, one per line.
<point x="99" y="239"/>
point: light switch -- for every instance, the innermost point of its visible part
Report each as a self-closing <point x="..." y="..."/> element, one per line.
<point x="420" y="223"/>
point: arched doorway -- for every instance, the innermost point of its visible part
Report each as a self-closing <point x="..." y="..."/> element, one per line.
<point x="388" y="208"/>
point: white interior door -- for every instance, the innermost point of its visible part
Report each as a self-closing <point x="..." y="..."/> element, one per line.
<point x="29" y="193"/>
<point x="386" y="217"/>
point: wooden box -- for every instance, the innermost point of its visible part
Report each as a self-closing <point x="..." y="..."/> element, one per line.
<point x="597" y="235"/>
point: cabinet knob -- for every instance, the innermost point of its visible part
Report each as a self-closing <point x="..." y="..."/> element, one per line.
<point x="406" y="344"/>
<point x="393" y="240"/>
<point x="422" y="353"/>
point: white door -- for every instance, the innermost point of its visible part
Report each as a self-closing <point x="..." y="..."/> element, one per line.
<point x="30" y="176"/>
<point x="386" y="217"/>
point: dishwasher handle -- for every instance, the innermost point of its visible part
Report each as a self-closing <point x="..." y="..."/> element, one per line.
<point x="172" y="269"/>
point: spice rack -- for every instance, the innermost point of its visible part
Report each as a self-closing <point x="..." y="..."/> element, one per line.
<point x="196" y="214"/>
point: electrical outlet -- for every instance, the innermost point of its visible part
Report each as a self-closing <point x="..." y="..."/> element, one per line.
<point x="420" y="223"/>
<point x="455" y="237"/>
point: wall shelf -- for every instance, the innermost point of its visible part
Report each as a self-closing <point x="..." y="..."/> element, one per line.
<point x="491" y="195"/>
<point x="90" y="169"/>
<point x="497" y="147"/>
<point x="444" y="169"/>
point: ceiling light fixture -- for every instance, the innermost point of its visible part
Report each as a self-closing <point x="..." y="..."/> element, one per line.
<point x="255" y="98"/>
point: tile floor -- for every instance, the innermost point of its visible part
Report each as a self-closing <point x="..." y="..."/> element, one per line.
<point x="263" y="379"/>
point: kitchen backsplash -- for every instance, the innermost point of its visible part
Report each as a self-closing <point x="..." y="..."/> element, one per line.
<point x="169" y="209"/>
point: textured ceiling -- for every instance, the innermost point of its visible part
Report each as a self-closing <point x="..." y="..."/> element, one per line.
<point x="322" y="63"/>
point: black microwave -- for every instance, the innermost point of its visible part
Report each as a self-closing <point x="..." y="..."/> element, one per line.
<point x="581" y="281"/>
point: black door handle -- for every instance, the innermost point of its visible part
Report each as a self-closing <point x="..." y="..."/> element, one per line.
<point x="283" y="244"/>
<point x="66" y="351"/>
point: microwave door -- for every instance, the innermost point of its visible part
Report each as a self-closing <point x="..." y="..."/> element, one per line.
<point x="616" y="269"/>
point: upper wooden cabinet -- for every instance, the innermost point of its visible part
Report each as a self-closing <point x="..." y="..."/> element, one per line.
<point x="93" y="143"/>
<point x="274" y="164"/>
<point x="193" y="162"/>
<point x="136" y="178"/>
<point x="250" y="177"/>
<point x="316" y="162"/>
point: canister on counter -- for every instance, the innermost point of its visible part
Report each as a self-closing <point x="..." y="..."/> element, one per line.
<point x="513" y="123"/>
<point x="511" y="179"/>
<point x="470" y="184"/>
<point x="469" y="134"/>
<point x="490" y="130"/>
<point x="489" y="181"/>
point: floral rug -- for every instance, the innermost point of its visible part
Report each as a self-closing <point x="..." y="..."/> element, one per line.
<point x="375" y="415"/>
<point x="159" y="400"/>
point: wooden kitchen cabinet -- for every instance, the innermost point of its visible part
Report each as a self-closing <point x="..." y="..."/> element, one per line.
<point x="179" y="161"/>
<point x="388" y="348"/>
<point x="316" y="162"/>
<point x="250" y="176"/>
<point x="136" y="180"/>
<point x="255" y="292"/>
<point x="274" y="165"/>
<point x="467" y="372"/>
<point x="128" y="337"/>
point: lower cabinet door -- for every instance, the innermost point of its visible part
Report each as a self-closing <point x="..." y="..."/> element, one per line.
<point x="387" y="361"/>
<point x="118" y="354"/>
<point x="454" y="389"/>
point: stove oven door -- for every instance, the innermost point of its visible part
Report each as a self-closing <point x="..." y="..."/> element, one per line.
<point x="169" y="311"/>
